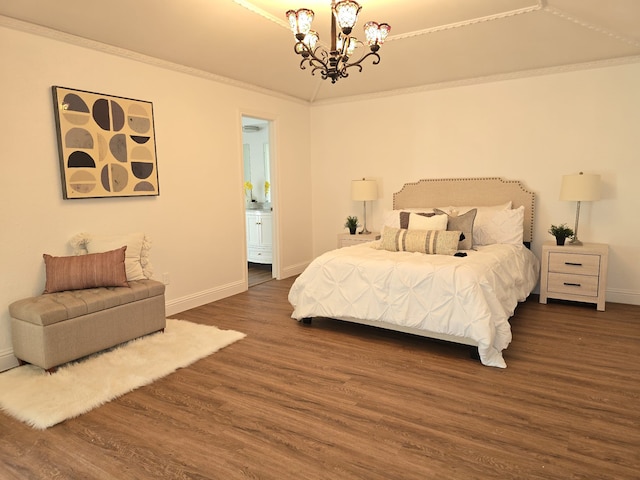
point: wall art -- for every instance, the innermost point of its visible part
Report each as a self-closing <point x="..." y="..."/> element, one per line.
<point x="106" y="144"/>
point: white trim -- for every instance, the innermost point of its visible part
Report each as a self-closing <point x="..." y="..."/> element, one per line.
<point x="590" y="26"/>
<point x="617" y="295"/>
<point x="138" y="57"/>
<point x="613" y="62"/>
<point x="101" y="47"/>
<point x="292" y="270"/>
<point x="467" y="22"/>
<point x="7" y="360"/>
<point x="206" y="296"/>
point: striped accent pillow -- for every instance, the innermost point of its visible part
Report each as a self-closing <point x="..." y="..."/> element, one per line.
<point x="440" y="242"/>
<point x="86" y="271"/>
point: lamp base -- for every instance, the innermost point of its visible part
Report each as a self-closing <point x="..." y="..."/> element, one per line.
<point x="365" y="231"/>
<point x="575" y="241"/>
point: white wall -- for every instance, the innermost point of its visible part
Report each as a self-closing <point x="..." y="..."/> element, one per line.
<point x="534" y="129"/>
<point x="197" y="223"/>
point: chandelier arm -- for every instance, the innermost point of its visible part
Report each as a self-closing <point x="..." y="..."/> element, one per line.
<point x="311" y="57"/>
<point x="357" y="64"/>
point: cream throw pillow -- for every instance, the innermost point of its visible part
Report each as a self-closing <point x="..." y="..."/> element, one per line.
<point x="421" y="222"/>
<point x="138" y="245"/>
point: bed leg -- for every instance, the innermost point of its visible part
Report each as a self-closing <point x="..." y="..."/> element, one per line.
<point x="306" y="320"/>
<point x="473" y="353"/>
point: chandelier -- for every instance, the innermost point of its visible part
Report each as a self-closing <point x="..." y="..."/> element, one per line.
<point x="334" y="63"/>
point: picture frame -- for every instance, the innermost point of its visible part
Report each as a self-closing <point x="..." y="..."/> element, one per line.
<point x="106" y="145"/>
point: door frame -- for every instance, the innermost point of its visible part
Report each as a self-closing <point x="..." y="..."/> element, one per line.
<point x="274" y="181"/>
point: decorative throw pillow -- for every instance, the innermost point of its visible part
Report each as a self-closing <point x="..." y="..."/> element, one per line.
<point x="85" y="271"/>
<point x="464" y="223"/>
<point x="505" y="226"/>
<point x="418" y="221"/>
<point x="138" y="245"/>
<point x="440" y="242"/>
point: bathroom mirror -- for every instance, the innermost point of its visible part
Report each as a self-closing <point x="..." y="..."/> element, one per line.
<point x="255" y="149"/>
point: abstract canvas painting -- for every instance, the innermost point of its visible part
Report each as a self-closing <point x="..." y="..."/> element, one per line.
<point x="106" y="144"/>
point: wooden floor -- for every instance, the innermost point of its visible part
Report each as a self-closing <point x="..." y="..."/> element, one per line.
<point x="333" y="400"/>
<point x="259" y="273"/>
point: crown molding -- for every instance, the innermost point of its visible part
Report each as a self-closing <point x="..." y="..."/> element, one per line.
<point x="120" y="52"/>
<point x="539" y="5"/>
<point x="590" y="26"/>
<point x="486" y="79"/>
<point x="57" y="35"/>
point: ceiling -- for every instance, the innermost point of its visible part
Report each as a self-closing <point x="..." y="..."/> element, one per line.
<point x="432" y="42"/>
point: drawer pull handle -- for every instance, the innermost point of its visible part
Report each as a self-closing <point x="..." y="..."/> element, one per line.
<point x="573" y="264"/>
<point x="572" y="284"/>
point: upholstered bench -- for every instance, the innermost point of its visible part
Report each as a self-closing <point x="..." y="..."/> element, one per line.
<point x="55" y="328"/>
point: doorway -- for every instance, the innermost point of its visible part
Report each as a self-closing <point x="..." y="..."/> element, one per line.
<point x="258" y="189"/>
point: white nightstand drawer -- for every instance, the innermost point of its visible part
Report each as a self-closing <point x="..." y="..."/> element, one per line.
<point x="586" y="285"/>
<point x="574" y="263"/>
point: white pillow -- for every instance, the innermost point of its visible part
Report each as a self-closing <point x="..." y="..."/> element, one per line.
<point x="136" y="261"/>
<point x="391" y="218"/>
<point x="420" y="222"/>
<point x="504" y="226"/>
<point x="483" y="213"/>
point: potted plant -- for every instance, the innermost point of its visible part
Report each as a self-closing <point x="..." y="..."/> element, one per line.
<point x="351" y="224"/>
<point x="561" y="232"/>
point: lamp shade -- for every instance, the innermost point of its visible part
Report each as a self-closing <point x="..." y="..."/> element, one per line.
<point x="364" y="190"/>
<point x="580" y="188"/>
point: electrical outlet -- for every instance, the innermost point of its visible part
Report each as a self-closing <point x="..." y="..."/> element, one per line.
<point x="166" y="278"/>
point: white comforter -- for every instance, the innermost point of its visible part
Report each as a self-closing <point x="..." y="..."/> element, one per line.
<point x="470" y="297"/>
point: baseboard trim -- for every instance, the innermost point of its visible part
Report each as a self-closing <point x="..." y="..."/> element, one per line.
<point x="202" y="298"/>
<point x="623" y="296"/>
<point x="292" y="270"/>
<point x="7" y="360"/>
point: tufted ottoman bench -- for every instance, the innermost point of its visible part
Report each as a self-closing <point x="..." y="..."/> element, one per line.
<point x="55" y="328"/>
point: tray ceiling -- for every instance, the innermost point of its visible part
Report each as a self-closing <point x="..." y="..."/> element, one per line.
<point x="432" y="42"/>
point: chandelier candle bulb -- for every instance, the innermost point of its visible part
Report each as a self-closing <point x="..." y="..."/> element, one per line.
<point x="333" y="63"/>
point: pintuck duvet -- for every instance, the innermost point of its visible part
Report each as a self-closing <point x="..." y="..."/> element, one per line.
<point x="470" y="298"/>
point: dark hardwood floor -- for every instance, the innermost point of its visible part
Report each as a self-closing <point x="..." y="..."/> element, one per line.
<point x="333" y="400"/>
<point x="259" y="273"/>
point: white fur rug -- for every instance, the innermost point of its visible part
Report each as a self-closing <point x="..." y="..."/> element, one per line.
<point x="41" y="400"/>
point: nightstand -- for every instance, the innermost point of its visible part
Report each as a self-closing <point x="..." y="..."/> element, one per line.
<point x="574" y="272"/>
<point x="346" y="239"/>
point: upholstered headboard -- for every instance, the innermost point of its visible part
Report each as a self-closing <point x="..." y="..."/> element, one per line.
<point x="468" y="192"/>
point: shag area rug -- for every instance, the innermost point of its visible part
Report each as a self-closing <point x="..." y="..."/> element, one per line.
<point x="42" y="400"/>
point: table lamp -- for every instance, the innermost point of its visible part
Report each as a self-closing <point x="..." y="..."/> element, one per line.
<point x="579" y="188"/>
<point x="364" y="191"/>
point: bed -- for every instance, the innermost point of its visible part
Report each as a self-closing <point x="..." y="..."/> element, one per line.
<point x="460" y="283"/>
